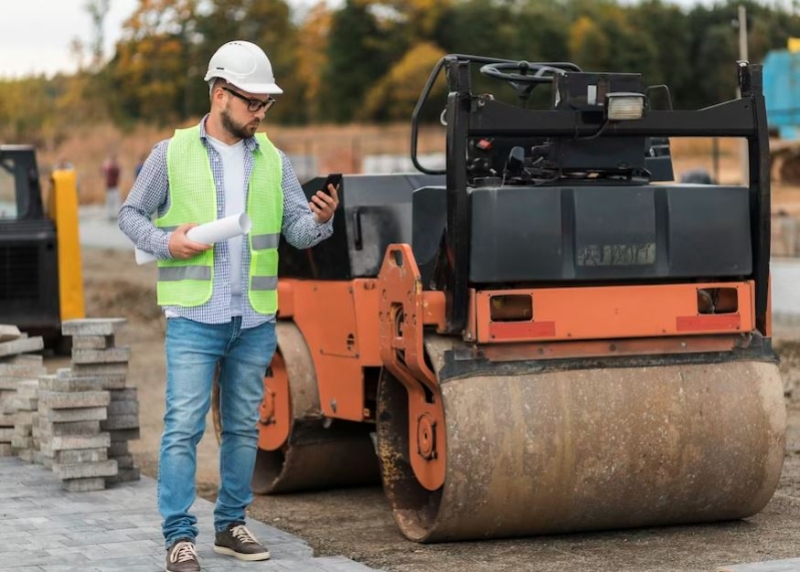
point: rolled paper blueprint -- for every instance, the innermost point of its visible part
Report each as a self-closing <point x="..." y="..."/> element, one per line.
<point x="209" y="233"/>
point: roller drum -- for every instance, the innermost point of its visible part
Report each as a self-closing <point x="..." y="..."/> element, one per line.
<point x="566" y="451"/>
<point x="318" y="458"/>
<point x="317" y="454"/>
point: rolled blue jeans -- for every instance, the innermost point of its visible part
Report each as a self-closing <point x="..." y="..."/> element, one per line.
<point x="193" y="350"/>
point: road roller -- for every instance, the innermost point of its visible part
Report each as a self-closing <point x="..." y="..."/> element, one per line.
<point x="548" y="335"/>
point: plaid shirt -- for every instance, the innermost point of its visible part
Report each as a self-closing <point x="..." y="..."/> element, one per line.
<point x="150" y="193"/>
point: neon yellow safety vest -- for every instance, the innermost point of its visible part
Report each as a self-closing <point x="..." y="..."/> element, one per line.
<point x="193" y="198"/>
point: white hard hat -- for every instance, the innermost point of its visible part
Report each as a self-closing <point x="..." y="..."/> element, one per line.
<point x="244" y="65"/>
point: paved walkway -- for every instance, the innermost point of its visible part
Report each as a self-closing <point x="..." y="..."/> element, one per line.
<point x="98" y="231"/>
<point x="46" y="529"/>
<point x="785" y="296"/>
<point x="790" y="565"/>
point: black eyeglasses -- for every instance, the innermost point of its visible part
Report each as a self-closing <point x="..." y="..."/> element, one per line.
<point x="253" y="104"/>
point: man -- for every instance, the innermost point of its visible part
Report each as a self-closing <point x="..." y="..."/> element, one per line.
<point x="219" y="301"/>
<point x="111" y="171"/>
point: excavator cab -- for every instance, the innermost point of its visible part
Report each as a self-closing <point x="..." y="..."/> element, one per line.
<point x="549" y="335"/>
<point x="40" y="263"/>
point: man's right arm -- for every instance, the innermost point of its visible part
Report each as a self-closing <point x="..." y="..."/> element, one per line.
<point x="149" y="194"/>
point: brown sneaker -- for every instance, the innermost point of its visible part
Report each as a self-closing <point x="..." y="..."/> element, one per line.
<point x="240" y="543"/>
<point x="182" y="557"/>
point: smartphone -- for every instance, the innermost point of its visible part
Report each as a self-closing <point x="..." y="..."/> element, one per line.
<point x="334" y="179"/>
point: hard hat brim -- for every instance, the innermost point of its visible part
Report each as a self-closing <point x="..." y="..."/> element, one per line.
<point x="254" y="88"/>
<point x="259" y="88"/>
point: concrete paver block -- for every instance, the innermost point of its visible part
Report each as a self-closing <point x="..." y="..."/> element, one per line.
<point x="64" y="442"/>
<point x="93" y="327"/>
<point x="31" y="359"/>
<point x="123" y="461"/>
<point x="118" y="529"/>
<point x="80" y="414"/>
<point x="83" y="485"/>
<point x="92" y="342"/>
<point x="28" y="388"/>
<point x="73" y="400"/>
<point x="24" y="369"/>
<point x="126" y="394"/>
<point x="91" y="379"/>
<point x="53" y="429"/>
<point x="105" y="356"/>
<point x="99" y="369"/>
<point x="21" y="442"/>
<point x="117" y="448"/>
<point x="9" y="332"/>
<point x="106" y="468"/>
<point x="115" y="422"/>
<point x="24" y="417"/>
<point x="21" y="345"/>
<point x="123" y="408"/>
<point x="125" y="475"/>
<point x="22" y="429"/>
<point x="25" y="403"/>
<point x="9" y="382"/>
<point x="72" y="456"/>
<point x="124" y="435"/>
<point x="66" y="383"/>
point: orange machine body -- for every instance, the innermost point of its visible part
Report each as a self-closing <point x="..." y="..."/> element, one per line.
<point x="340" y="323"/>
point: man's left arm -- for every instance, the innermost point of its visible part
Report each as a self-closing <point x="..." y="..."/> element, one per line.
<point x="300" y="226"/>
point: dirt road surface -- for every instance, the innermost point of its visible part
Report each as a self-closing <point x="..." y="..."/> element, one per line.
<point x="357" y="523"/>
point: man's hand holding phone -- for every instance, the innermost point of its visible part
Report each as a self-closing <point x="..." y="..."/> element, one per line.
<point x="325" y="201"/>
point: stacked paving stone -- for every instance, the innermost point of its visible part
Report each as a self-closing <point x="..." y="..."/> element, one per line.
<point x="6" y="427"/>
<point x="96" y="357"/>
<point x="26" y="404"/>
<point x="123" y="425"/>
<point x="16" y="368"/>
<point x="70" y="440"/>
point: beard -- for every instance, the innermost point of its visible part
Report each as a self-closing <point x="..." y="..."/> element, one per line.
<point x="239" y="130"/>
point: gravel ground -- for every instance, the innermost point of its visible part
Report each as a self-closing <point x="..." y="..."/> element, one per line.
<point x="357" y="523"/>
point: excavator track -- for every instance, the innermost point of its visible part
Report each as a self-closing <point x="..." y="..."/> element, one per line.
<point x="586" y="449"/>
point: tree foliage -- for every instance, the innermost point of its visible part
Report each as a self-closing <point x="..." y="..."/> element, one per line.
<point x="366" y="60"/>
<point x="312" y="59"/>
<point x="394" y="96"/>
<point x="361" y="49"/>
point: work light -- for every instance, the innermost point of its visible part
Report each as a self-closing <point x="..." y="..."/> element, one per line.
<point x="623" y="106"/>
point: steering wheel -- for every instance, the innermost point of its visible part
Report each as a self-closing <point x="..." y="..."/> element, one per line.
<point x="521" y="73"/>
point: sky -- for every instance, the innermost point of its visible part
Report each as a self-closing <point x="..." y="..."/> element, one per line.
<point x="36" y="35"/>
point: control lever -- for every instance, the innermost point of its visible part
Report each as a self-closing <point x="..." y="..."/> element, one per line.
<point x="516" y="161"/>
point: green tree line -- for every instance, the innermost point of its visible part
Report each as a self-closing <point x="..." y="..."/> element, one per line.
<point x="367" y="60"/>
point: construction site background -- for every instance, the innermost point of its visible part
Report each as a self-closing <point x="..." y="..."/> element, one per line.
<point x="318" y="150"/>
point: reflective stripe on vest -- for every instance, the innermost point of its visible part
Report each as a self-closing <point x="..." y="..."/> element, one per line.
<point x="193" y="198"/>
<point x="264" y="283"/>
<point x="170" y="274"/>
<point x="263" y="241"/>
